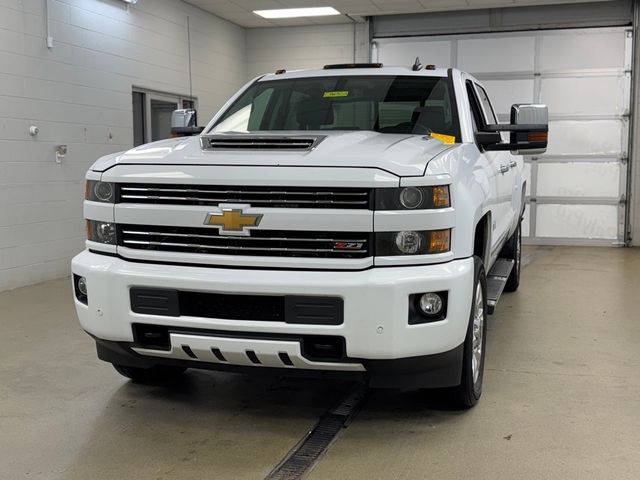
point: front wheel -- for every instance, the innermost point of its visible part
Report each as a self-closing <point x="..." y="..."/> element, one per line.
<point x="467" y="394"/>
<point x="157" y="374"/>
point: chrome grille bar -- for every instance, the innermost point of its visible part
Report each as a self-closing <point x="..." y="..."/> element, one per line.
<point x="261" y="242"/>
<point x="240" y="192"/>
<point x="241" y="200"/>
<point x="229" y="237"/>
<point x="270" y="197"/>
<point x="229" y="247"/>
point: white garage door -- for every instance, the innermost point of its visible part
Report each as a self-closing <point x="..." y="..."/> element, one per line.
<point x="576" y="191"/>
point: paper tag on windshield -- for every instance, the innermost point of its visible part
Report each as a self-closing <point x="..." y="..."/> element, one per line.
<point x="342" y="93"/>
<point x="448" y="139"/>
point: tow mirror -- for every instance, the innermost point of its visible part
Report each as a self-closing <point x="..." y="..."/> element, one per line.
<point x="184" y="123"/>
<point x="529" y="131"/>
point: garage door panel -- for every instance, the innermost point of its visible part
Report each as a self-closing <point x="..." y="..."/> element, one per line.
<point x="577" y="221"/>
<point x="579" y="179"/>
<point x="583" y="76"/>
<point x="585" y="137"/>
<point x="494" y="54"/>
<point x="582" y="50"/>
<point x="404" y="52"/>
<point x="504" y="93"/>
<point x="584" y="96"/>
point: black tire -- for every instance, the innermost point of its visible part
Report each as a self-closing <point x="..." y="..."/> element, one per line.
<point x="157" y="374"/>
<point x="513" y="251"/>
<point x="467" y="394"/>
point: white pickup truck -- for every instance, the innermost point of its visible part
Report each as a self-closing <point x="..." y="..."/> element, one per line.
<point x="331" y="222"/>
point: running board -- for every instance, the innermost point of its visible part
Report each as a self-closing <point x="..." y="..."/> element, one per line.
<point x="496" y="280"/>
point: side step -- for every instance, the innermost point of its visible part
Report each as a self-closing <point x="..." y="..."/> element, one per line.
<point x="496" y="280"/>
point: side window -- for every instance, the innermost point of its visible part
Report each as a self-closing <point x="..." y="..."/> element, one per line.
<point x="477" y="117"/>
<point x="489" y="114"/>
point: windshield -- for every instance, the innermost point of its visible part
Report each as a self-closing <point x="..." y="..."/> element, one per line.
<point x="386" y="104"/>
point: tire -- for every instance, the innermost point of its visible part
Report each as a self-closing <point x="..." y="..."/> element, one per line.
<point x="467" y="394"/>
<point x="157" y="374"/>
<point x="513" y="251"/>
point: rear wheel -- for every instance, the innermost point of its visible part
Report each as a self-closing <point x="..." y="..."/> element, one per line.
<point x="157" y="374"/>
<point x="467" y="394"/>
<point x="513" y="251"/>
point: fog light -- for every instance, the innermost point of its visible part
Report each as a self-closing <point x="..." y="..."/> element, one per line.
<point x="82" y="286"/>
<point x="431" y="304"/>
<point x="408" y="243"/>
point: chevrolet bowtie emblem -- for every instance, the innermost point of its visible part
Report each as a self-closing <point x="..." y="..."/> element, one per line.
<point x="232" y="220"/>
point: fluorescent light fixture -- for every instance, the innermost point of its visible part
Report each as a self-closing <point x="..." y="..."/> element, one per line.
<point x="297" y="12"/>
<point x="132" y="2"/>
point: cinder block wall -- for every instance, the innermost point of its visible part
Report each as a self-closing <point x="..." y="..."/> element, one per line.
<point x="79" y="94"/>
<point x="291" y="48"/>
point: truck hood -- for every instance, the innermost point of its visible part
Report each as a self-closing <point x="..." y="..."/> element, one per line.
<point x="400" y="154"/>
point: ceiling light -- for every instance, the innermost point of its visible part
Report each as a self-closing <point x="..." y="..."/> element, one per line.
<point x="297" y="12"/>
<point x="132" y="2"/>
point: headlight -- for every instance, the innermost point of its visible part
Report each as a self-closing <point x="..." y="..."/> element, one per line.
<point x="101" y="232"/>
<point x="100" y="191"/>
<point x="412" y="198"/>
<point x="412" y="242"/>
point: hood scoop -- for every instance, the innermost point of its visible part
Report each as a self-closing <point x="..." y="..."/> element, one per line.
<point x="260" y="142"/>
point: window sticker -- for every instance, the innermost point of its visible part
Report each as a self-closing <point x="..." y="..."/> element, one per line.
<point x="448" y="139"/>
<point x="341" y="93"/>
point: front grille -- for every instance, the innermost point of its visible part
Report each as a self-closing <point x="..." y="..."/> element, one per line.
<point x="265" y="243"/>
<point x="271" y="197"/>
<point x="294" y="309"/>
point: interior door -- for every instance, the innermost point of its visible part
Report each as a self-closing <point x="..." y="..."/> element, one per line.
<point x="159" y="112"/>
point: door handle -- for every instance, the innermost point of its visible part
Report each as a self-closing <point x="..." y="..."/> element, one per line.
<point x="513" y="164"/>
<point x="504" y="168"/>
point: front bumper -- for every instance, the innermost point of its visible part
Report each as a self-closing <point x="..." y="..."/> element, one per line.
<point x="376" y="331"/>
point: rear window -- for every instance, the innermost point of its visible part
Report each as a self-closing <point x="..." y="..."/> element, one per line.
<point x="386" y="104"/>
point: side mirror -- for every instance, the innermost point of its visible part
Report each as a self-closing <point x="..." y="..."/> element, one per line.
<point x="529" y="131"/>
<point x="184" y="123"/>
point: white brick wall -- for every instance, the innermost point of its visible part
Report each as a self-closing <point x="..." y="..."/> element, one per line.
<point x="79" y="94"/>
<point x="291" y="48"/>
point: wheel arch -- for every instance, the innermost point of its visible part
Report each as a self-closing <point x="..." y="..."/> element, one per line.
<point x="481" y="238"/>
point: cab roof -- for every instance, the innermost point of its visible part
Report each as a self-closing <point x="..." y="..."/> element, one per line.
<point x="355" y="71"/>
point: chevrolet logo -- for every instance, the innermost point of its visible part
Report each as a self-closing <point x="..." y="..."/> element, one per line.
<point x="233" y="220"/>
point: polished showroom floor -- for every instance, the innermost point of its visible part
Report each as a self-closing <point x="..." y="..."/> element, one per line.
<point x="561" y="400"/>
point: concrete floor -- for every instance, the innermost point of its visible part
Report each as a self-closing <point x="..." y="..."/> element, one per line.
<point x="561" y="400"/>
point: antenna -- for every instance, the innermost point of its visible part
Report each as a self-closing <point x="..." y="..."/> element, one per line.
<point x="189" y="47"/>
<point x="416" y="65"/>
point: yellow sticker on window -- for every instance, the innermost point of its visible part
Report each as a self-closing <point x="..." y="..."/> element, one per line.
<point x="449" y="139"/>
<point x="341" y="93"/>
